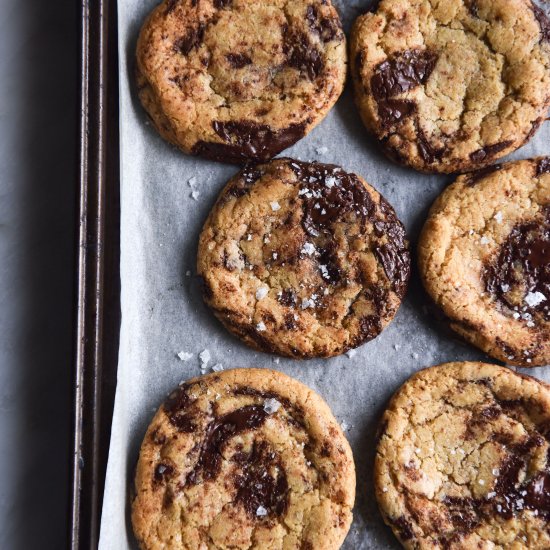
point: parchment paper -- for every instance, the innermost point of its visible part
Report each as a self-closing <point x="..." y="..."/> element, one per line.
<point x="163" y="312"/>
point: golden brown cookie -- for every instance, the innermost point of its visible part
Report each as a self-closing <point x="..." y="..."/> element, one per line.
<point x="240" y="80"/>
<point x="463" y="460"/>
<point x="484" y="257"/>
<point x="303" y="259"/>
<point x="452" y="85"/>
<point x="243" y="459"/>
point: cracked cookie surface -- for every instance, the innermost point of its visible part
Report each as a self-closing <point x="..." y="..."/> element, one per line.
<point x="484" y="257"/>
<point x="463" y="459"/>
<point x="303" y="259"/>
<point x="239" y="80"/>
<point x="244" y="459"/>
<point x="452" y="85"/>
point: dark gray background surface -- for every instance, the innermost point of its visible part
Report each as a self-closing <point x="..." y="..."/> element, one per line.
<point x="39" y="53"/>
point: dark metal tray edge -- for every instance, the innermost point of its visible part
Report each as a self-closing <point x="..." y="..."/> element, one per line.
<point x="97" y="289"/>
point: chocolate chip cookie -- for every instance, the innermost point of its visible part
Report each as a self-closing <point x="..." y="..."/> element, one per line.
<point x="484" y="256"/>
<point x="463" y="459"/>
<point x="247" y="458"/>
<point x="239" y="80"/>
<point x="303" y="259"/>
<point x="452" y="85"/>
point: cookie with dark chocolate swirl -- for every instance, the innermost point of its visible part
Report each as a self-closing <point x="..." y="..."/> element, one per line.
<point x="484" y="256"/>
<point x="303" y="259"/>
<point x="240" y="80"/>
<point x="245" y="458"/>
<point x="463" y="459"/>
<point x="453" y="85"/>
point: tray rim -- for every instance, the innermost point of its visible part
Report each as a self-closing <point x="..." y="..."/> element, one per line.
<point x="97" y="285"/>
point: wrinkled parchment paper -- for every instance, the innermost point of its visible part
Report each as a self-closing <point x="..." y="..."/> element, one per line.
<point x="163" y="313"/>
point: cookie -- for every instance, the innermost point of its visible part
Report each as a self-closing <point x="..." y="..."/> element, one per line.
<point x="243" y="459"/>
<point x="239" y="80"/>
<point x="452" y="85"/>
<point x="484" y="257"/>
<point x="463" y="459"/>
<point x="303" y="259"/>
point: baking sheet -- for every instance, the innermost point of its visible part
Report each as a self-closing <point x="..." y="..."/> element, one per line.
<point x="163" y="313"/>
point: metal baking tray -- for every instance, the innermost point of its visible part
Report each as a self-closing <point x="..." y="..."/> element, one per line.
<point x="97" y="304"/>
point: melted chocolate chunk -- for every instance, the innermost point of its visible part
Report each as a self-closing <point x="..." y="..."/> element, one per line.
<point x="543" y="167"/>
<point x="176" y="408"/>
<point x="287" y="297"/>
<point x="329" y="195"/>
<point x="544" y="22"/>
<point x="428" y="152"/>
<point x="404" y="528"/>
<point x="163" y="472"/>
<point x="170" y="6"/>
<point x="394" y="111"/>
<point x="489" y="151"/>
<point x="220" y="4"/>
<point x="245" y="141"/>
<point x="247" y="178"/>
<point x="472" y="7"/>
<point x="219" y="432"/>
<point x="262" y="482"/>
<point x="404" y="72"/>
<point x="301" y="54"/>
<point x="480" y="174"/>
<point x="327" y="28"/>
<point x="191" y="40"/>
<point x="178" y="400"/>
<point x="238" y="60"/>
<point x="523" y="263"/>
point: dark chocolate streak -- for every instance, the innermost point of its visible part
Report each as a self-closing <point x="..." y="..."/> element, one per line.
<point x="323" y="205"/>
<point x="238" y="60"/>
<point x="544" y="22"/>
<point x="403" y="72"/>
<point x="191" y="40"/>
<point x="329" y="204"/>
<point x="394" y="255"/>
<point x="511" y="496"/>
<point x="218" y="434"/>
<point x="523" y="262"/>
<point x="474" y="177"/>
<point x="246" y="141"/>
<point x="489" y="151"/>
<point x="262" y="481"/>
